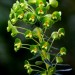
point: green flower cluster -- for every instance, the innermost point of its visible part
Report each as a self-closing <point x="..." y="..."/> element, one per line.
<point x="24" y="11"/>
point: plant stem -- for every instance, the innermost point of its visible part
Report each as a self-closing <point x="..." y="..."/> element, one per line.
<point x="54" y="58"/>
<point x="49" y="38"/>
<point x="22" y="28"/>
<point x="25" y="48"/>
<point x="26" y="44"/>
<point x="35" y="41"/>
<point x="51" y="45"/>
<point x="21" y="33"/>
<point x="38" y="67"/>
<point x="31" y="8"/>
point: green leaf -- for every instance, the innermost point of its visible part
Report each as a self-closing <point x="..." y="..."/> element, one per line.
<point x="28" y="34"/>
<point x="63" y="51"/>
<point x="37" y="32"/>
<point x="40" y="3"/>
<point x="9" y="28"/>
<point x="59" y="59"/>
<point x="61" y="32"/>
<point x="34" y="49"/>
<point x="53" y="3"/>
<point x="54" y="35"/>
<point x="17" y="44"/>
<point x="14" y="31"/>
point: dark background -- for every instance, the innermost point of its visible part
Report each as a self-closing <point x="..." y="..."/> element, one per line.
<point x="11" y="63"/>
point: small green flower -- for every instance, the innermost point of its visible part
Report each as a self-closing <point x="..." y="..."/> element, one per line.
<point x="61" y="32"/>
<point x="40" y="11"/>
<point x="21" y="15"/>
<point x="34" y="49"/>
<point x="31" y="18"/>
<point x="47" y="21"/>
<point x="13" y="20"/>
<point x="54" y="35"/>
<point x="23" y="4"/>
<point x="29" y="71"/>
<point x="63" y="51"/>
<point x="44" y="45"/>
<point x="16" y="6"/>
<point x="17" y="44"/>
<point x="40" y="3"/>
<point x="9" y="28"/>
<point x="27" y="65"/>
<point x="56" y="15"/>
<point x="14" y="31"/>
<point x="28" y="34"/>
